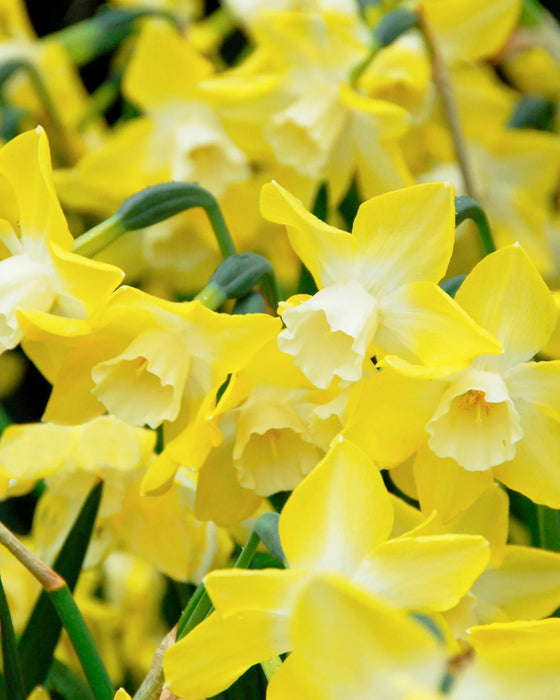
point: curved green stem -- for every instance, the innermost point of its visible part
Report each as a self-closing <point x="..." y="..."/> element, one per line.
<point x="469" y="208"/>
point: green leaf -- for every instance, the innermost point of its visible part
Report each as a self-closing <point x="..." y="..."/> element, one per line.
<point x="63" y="681"/>
<point x="40" y="637"/>
<point x="13" y="681"/>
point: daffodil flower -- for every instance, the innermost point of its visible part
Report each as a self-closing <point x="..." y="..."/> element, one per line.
<point x="145" y="360"/>
<point x="378" y="292"/>
<point x="292" y="102"/>
<point x="163" y="530"/>
<point x="497" y="418"/>
<point x="276" y="427"/>
<point x="38" y="270"/>
<point x="337" y="520"/>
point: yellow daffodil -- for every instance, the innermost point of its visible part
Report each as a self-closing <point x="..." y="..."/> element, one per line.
<point x="337" y="520"/>
<point x="145" y="360"/>
<point x="179" y="136"/>
<point x="38" y="270"/>
<point x="497" y="418"/>
<point x="276" y="427"/>
<point x="378" y="292"/>
<point x="292" y="101"/>
<point x="160" y="529"/>
<point x="350" y="644"/>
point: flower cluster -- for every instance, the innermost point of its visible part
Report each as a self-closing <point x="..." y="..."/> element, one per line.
<point x="286" y="273"/>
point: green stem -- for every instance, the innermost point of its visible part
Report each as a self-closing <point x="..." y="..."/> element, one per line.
<point x="152" y="205"/>
<point x="223" y="237"/>
<point x="200" y="605"/>
<point x="98" y="237"/>
<point x="83" y="643"/>
<point x="548" y="522"/>
<point x="70" y="616"/>
<point x="469" y="208"/>
<point x="51" y="110"/>
<point x="101" y="99"/>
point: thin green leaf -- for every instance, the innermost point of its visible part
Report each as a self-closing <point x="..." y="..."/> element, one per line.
<point x="13" y="680"/>
<point x="40" y="637"/>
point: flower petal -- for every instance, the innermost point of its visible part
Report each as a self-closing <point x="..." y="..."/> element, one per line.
<point x="445" y="486"/>
<point x="422" y="324"/>
<point x="534" y="470"/>
<point x="328" y="253"/>
<point x="405" y="236"/>
<point x="337" y="514"/>
<point x="506" y="295"/>
<point x="211" y="657"/>
<point x="426" y="573"/>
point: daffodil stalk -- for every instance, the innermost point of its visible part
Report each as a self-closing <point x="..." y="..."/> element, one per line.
<point x="236" y="276"/>
<point x="8" y="69"/>
<point x="445" y="89"/>
<point x="468" y="208"/>
<point x="150" y="206"/>
<point x="56" y="588"/>
<point x="390" y="28"/>
<point x="91" y="38"/>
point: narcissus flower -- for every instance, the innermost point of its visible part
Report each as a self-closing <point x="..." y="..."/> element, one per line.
<point x="337" y="520"/>
<point x="71" y="459"/>
<point x="37" y="269"/>
<point x="497" y="418"/>
<point x="378" y="292"/>
<point x="292" y="101"/>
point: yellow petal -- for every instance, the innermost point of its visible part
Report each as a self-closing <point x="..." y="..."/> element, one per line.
<point x="426" y="573"/>
<point x="328" y="253"/>
<point x="472" y="29"/>
<point x="211" y="657"/>
<point x="173" y="76"/>
<point x="25" y="162"/>
<point x="387" y="415"/>
<point x="534" y="470"/>
<point x="506" y="295"/>
<point x="337" y="514"/>
<point x="538" y="383"/>
<point x="445" y="486"/>
<point x="270" y="590"/>
<point x="526" y="585"/>
<point x="381" y="652"/>
<point x="89" y="281"/>
<point x="405" y="236"/>
<point x="421" y="323"/>
<point x="516" y="660"/>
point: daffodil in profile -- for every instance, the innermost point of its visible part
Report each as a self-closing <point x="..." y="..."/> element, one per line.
<point x="37" y="268"/>
<point x="378" y="293"/>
